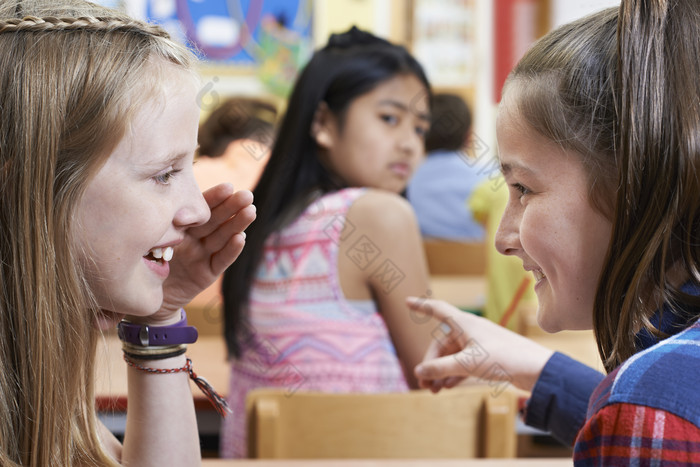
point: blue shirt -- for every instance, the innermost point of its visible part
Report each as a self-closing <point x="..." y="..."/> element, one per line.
<point x="438" y="193"/>
<point x="559" y="400"/>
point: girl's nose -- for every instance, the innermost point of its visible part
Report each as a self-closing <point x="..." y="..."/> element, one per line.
<point x="194" y="209"/>
<point x="411" y="143"/>
<point x="508" y="233"/>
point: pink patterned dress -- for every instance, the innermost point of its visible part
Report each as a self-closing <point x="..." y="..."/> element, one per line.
<point x="305" y="335"/>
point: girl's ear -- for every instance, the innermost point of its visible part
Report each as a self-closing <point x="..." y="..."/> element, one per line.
<point x="322" y="126"/>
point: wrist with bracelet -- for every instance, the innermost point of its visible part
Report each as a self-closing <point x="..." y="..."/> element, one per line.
<point x="135" y="352"/>
<point x="142" y="342"/>
<point x="149" y="336"/>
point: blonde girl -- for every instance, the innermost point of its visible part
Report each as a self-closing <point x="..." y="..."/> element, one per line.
<point x="97" y="196"/>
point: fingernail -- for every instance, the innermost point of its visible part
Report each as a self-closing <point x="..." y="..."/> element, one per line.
<point x="242" y="235"/>
<point x="419" y="371"/>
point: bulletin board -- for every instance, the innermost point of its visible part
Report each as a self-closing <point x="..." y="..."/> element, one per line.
<point x="228" y="31"/>
<point x="268" y="38"/>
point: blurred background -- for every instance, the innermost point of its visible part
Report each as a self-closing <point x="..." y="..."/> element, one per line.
<point x="252" y="50"/>
<point x="255" y="47"/>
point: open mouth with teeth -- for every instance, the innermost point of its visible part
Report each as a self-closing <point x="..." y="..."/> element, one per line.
<point x="160" y="255"/>
<point x="539" y="275"/>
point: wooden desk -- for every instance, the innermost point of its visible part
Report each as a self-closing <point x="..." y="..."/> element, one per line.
<point x="551" y="462"/>
<point x="209" y="352"/>
<point x="209" y="360"/>
<point x="466" y="292"/>
<point x="579" y="345"/>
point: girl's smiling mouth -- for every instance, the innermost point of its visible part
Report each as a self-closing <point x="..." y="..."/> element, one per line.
<point x="158" y="259"/>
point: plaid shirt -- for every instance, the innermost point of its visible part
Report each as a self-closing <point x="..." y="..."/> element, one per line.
<point x="560" y="398"/>
<point x="647" y="411"/>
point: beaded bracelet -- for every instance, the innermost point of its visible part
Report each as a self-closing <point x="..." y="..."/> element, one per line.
<point x="216" y="400"/>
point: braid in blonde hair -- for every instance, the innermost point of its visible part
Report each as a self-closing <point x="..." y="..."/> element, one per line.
<point x="83" y="23"/>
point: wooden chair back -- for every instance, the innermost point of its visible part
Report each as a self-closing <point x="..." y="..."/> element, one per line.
<point x="455" y="258"/>
<point x="464" y="422"/>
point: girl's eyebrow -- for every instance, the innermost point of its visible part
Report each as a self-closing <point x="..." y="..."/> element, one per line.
<point x="169" y="159"/>
<point x="175" y="157"/>
<point x="507" y="168"/>
<point x="404" y="108"/>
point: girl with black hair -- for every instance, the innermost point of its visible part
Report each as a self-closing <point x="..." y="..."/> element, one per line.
<point x="317" y="299"/>
<point x="102" y="225"/>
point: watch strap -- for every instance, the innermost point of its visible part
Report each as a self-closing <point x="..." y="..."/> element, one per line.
<point x="146" y="336"/>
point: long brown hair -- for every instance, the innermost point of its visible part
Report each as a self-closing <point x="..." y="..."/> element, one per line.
<point x="71" y="74"/>
<point x="620" y="88"/>
<point x="656" y="227"/>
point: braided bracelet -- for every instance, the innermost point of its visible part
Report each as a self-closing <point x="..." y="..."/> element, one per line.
<point x="216" y="400"/>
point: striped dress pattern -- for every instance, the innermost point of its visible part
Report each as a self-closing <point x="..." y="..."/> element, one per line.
<point x="304" y="335"/>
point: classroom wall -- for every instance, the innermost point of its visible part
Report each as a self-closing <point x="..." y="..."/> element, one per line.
<point x="386" y="18"/>
<point x="491" y="37"/>
<point x="564" y="11"/>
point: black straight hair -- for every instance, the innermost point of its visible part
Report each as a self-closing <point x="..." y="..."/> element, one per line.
<point x="350" y="65"/>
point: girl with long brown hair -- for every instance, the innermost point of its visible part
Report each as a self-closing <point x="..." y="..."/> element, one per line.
<point x="598" y="136"/>
<point x="97" y="196"/>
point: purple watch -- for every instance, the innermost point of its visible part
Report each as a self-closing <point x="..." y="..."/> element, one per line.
<point x="144" y="335"/>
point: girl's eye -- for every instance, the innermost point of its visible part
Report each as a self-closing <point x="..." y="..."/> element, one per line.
<point x="521" y="189"/>
<point x="165" y="177"/>
<point x="421" y="131"/>
<point x="390" y="119"/>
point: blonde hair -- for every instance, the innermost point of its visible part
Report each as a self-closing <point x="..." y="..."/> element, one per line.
<point x="71" y="74"/>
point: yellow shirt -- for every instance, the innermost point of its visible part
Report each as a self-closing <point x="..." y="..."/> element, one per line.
<point x="505" y="274"/>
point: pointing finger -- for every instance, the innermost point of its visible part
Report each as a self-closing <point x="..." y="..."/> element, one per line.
<point x="441" y="368"/>
<point x="438" y="309"/>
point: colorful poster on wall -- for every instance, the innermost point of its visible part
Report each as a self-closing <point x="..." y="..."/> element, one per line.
<point x="444" y="36"/>
<point x="271" y="36"/>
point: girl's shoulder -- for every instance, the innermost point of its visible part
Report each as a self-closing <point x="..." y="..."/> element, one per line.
<point x="665" y="376"/>
<point x="375" y="213"/>
<point x="327" y="205"/>
<point x="381" y="210"/>
<point x="366" y="204"/>
<point x="345" y="196"/>
<point x="384" y="218"/>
